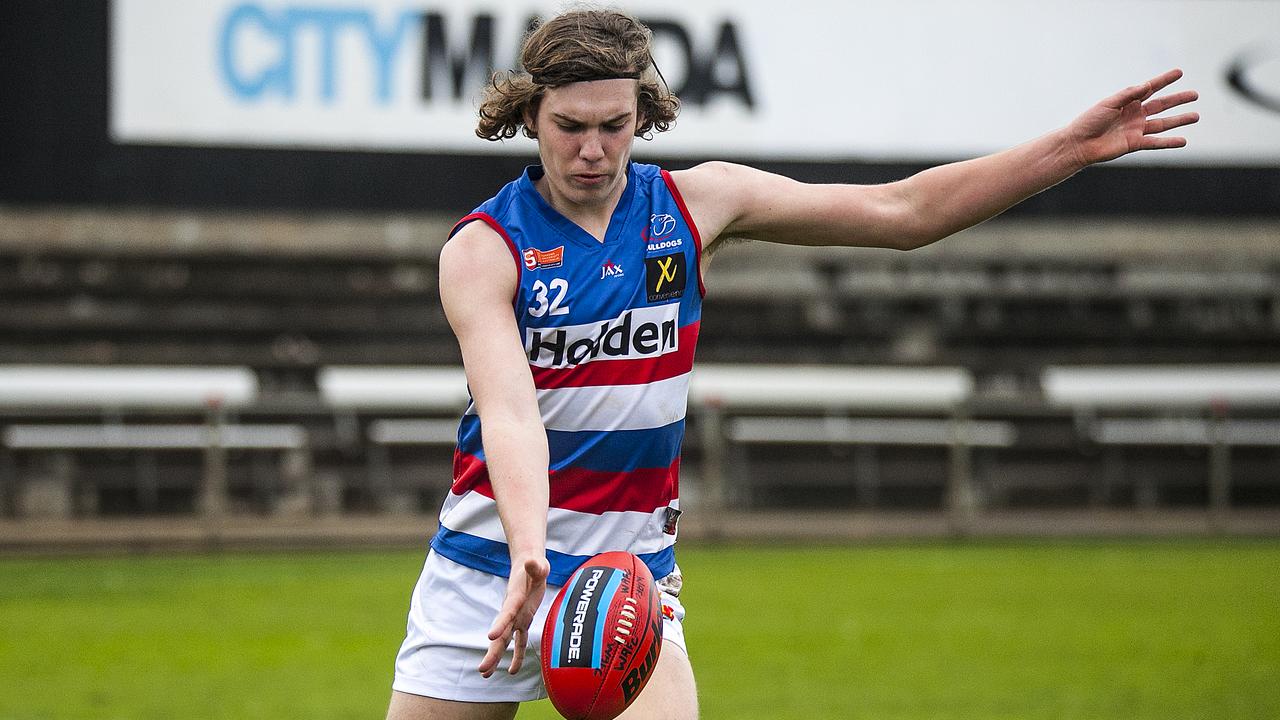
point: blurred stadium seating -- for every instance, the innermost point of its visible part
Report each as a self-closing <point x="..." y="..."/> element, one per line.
<point x="343" y="379"/>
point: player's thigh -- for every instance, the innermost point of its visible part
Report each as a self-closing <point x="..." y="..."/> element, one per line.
<point x="405" y="706"/>
<point x="670" y="693"/>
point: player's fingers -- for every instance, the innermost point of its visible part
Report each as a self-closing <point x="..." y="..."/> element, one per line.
<point x="1130" y="94"/>
<point x="1159" y="125"/>
<point x="1160" y="104"/>
<point x="1154" y="142"/>
<point x="496" y="649"/>
<point x="502" y="624"/>
<point x="521" y="639"/>
<point x="510" y="610"/>
<point x="537" y="567"/>
<point x="1162" y="81"/>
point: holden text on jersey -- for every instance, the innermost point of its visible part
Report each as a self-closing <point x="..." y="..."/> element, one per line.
<point x="637" y="333"/>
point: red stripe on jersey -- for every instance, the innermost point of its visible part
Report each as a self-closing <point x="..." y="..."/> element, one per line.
<point x="693" y="228"/>
<point x="595" y="492"/>
<point x="588" y="491"/>
<point x="468" y="471"/>
<point x="622" y="372"/>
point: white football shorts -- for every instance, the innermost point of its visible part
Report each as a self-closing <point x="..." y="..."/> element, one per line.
<point x="450" y="613"/>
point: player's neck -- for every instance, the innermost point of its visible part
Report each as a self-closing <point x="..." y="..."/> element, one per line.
<point x="593" y="216"/>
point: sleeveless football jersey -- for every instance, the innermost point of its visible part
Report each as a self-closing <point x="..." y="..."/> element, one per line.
<point x="609" y="330"/>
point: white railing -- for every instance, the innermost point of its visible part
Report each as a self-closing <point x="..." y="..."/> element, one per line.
<point x="90" y="387"/>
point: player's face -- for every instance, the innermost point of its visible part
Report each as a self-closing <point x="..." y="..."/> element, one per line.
<point x="585" y="131"/>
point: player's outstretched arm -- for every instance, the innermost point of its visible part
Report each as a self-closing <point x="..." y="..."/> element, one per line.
<point x="954" y="197"/>
<point x="736" y="201"/>
<point x="477" y="282"/>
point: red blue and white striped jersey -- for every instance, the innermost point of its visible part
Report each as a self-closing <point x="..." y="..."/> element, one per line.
<point x="609" y="329"/>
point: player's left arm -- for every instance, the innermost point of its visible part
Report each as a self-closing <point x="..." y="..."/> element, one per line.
<point x="730" y="200"/>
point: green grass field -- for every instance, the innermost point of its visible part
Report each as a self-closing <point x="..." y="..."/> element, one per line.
<point x="1178" y="629"/>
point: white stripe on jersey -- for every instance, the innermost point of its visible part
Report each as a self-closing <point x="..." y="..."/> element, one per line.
<point x="568" y="531"/>
<point x="615" y="407"/>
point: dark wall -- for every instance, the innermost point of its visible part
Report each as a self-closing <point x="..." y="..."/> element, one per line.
<point x="54" y="149"/>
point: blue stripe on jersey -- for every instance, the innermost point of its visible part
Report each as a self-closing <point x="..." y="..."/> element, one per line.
<point x="493" y="557"/>
<point x="616" y="450"/>
<point x="469" y="436"/>
<point x="606" y="451"/>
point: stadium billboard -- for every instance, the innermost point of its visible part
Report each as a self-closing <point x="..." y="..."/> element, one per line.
<point x="883" y="80"/>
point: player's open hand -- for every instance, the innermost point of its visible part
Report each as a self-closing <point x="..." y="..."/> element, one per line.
<point x="1127" y="122"/>
<point x="525" y="590"/>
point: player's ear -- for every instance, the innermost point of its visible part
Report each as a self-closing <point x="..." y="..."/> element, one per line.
<point x="642" y="118"/>
<point x="529" y="115"/>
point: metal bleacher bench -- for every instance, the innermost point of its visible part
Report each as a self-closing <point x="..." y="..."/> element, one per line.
<point x="1186" y="405"/>
<point x="1159" y="390"/>
<point x="809" y="405"/>
<point x="395" y="398"/>
<point x="864" y="389"/>
<point x="733" y="404"/>
<point x="437" y="390"/>
<point x="111" y="394"/>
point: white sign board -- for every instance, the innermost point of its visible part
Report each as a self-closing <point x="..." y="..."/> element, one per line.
<point x="874" y="80"/>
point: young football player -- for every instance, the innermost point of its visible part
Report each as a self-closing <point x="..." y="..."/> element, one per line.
<point x="576" y="293"/>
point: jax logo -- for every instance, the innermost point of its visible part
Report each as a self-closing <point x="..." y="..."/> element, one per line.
<point x="610" y="269"/>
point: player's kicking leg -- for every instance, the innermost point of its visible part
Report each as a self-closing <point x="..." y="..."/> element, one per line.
<point x="670" y="693"/>
<point x="405" y="706"/>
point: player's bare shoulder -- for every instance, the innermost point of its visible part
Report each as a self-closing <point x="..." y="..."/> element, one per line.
<point x="477" y="249"/>
<point x="475" y="264"/>
<point x="715" y="194"/>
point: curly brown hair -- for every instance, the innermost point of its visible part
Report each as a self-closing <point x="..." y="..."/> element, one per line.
<point x="577" y="46"/>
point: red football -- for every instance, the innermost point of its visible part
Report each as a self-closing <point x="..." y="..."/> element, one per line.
<point x="602" y="637"/>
